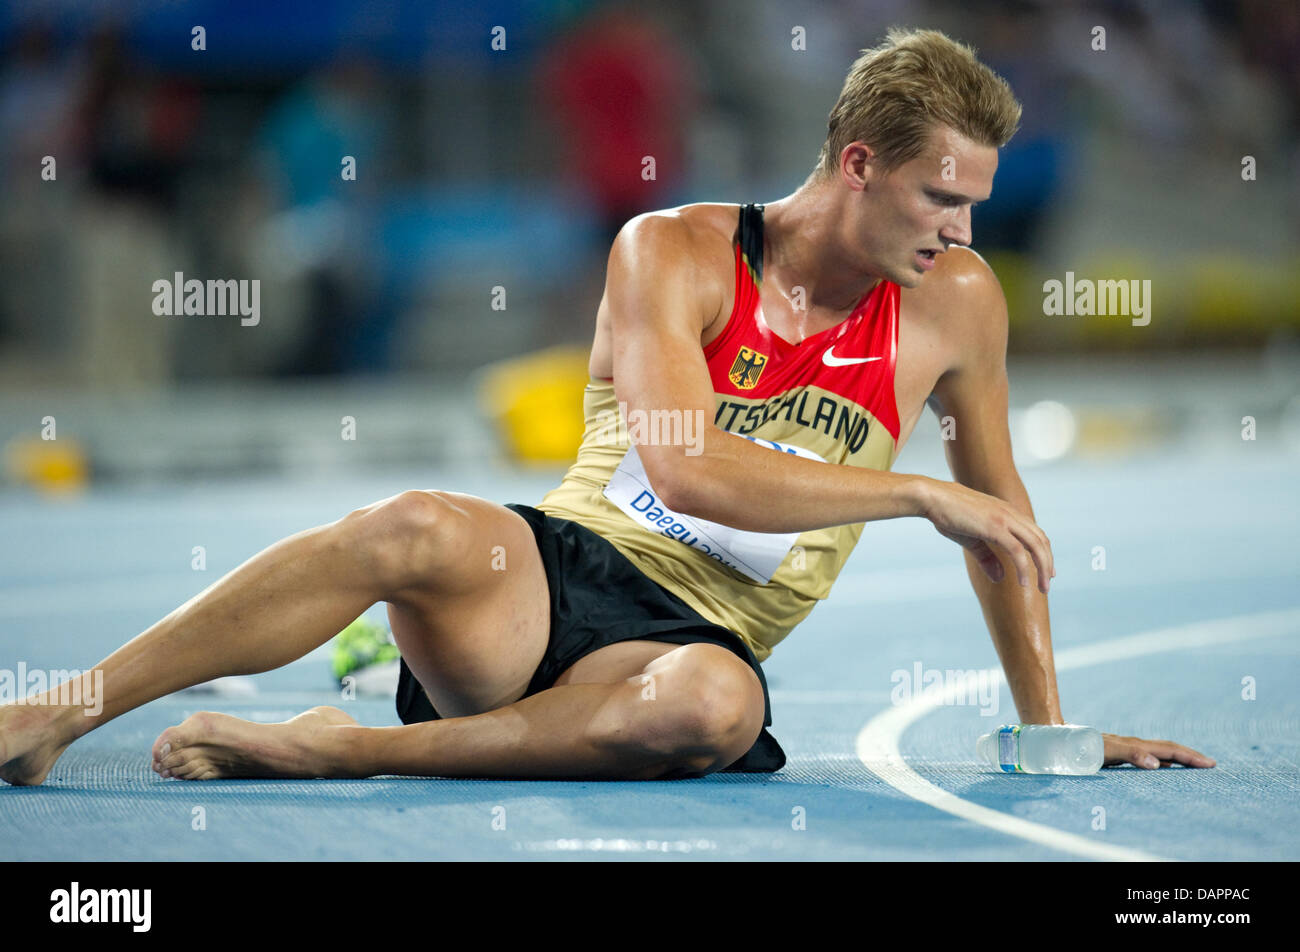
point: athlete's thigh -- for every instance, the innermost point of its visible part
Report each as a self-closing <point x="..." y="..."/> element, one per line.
<point x="616" y="662"/>
<point x="699" y="665"/>
<point x="474" y="643"/>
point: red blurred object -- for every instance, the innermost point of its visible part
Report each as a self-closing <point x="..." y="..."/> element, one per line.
<point x="621" y="89"/>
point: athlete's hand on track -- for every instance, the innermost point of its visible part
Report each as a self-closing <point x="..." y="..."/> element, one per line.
<point x="1150" y="754"/>
<point x="980" y="523"/>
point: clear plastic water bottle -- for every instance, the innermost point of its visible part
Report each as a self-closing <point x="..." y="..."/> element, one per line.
<point x="1043" y="749"/>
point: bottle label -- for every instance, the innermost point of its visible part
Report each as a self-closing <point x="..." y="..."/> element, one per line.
<point x="1009" y="749"/>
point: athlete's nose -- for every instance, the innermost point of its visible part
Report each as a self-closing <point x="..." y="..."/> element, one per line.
<point x="959" y="231"/>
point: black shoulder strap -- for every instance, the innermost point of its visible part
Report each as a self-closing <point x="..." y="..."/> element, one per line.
<point x="751" y="236"/>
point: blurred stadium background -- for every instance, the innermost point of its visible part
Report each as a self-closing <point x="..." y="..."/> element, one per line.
<point x="481" y="169"/>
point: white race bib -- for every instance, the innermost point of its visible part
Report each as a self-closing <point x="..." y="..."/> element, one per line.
<point x="756" y="555"/>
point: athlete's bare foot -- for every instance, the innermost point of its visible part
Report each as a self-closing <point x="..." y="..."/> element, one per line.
<point x="208" y="746"/>
<point x="30" y="742"/>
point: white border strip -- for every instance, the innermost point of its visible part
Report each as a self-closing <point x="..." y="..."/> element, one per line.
<point x="877" y="742"/>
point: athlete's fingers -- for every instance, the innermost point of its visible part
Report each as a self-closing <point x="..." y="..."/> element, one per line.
<point x="1125" y="750"/>
<point x="1047" y="547"/>
<point x="1032" y="534"/>
<point x="1140" y="758"/>
<point x="984" y="555"/>
<point x="988" y="559"/>
<point x="1044" y="543"/>
<point x="1015" y="546"/>
<point x="1172" y="753"/>
<point x="1035" y="541"/>
<point x="1015" y="549"/>
<point x="1149" y="754"/>
<point x="1038" y="550"/>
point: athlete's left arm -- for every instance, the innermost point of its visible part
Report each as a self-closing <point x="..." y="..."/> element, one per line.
<point x="974" y="394"/>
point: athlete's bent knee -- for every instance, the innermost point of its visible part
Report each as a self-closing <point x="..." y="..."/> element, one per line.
<point x="717" y="710"/>
<point x="404" y="539"/>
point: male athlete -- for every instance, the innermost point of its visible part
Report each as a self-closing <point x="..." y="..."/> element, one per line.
<point x="616" y="630"/>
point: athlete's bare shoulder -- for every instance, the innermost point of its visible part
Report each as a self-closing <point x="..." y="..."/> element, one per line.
<point x="694" y="241"/>
<point x="700" y="220"/>
<point x="961" y="279"/>
<point x="962" y="298"/>
<point x="702" y="232"/>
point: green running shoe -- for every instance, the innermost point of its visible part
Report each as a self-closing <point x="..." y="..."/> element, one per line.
<point x="360" y="645"/>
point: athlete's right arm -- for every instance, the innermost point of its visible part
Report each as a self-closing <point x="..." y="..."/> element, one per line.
<point x="659" y="302"/>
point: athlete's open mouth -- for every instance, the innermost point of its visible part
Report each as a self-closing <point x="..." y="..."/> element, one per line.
<point x="925" y="258"/>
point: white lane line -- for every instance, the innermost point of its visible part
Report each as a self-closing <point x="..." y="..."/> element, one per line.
<point x="877" y="742"/>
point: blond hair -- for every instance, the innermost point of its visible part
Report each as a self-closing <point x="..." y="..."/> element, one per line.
<point x="896" y="92"/>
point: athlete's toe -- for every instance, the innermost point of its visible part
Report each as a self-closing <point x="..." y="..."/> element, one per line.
<point x="196" y="769"/>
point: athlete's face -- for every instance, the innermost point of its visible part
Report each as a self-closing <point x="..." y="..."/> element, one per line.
<point x="908" y="216"/>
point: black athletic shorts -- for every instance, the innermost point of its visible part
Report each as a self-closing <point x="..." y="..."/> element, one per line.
<point x="599" y="598"/>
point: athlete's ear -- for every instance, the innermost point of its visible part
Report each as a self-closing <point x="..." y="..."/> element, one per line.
<point x="857" y="165"/>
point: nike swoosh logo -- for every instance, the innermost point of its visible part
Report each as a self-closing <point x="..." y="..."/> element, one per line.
<point x="830" y="360"/>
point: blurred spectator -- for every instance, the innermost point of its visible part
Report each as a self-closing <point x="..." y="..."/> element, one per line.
<point x="622" y="90"/>
<point x="318" y="229"/>
<point x="38" y="92"/>
<point x="1032" y="166"/>
<point x="226" y="163"/>
<point x="138" y="127"/>
<point x="39" y="88"/>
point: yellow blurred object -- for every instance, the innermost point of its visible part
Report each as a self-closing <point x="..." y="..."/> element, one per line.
<point x="55" y="466"/>
<point x="1234" y="295"/>
<point x="1119" y="431"/>
<point x="536" y="400"/>
<point x="1020" y="285"/>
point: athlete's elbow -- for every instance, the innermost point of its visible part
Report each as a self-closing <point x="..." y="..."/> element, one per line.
<point x="677" y="482"/>
<point x="668" y="487"/>
<point x="680" y="498"/>
<point x="702" y="492"/>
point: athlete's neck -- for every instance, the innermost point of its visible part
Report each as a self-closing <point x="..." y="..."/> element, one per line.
<point x="802" y="248"/>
